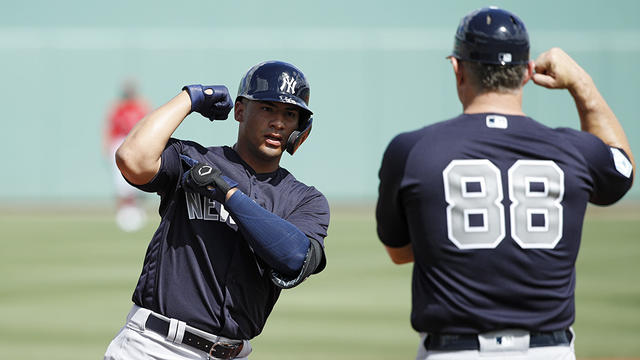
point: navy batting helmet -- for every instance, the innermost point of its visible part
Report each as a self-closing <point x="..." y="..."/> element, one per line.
<point x="492" y="36"/>
<point x="280" y="82"/>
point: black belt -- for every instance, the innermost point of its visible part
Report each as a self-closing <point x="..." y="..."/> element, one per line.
<point x="218" y="350"/>
<point x="458" y="342"/>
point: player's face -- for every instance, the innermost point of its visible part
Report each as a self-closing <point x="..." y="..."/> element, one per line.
<point x="264" y="129"/>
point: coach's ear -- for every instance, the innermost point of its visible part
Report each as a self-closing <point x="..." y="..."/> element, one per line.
<point x="530" y="69"/>
<point x="456" y="69"/>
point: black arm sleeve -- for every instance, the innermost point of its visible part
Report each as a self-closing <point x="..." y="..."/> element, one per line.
<point x="313" y="260"/>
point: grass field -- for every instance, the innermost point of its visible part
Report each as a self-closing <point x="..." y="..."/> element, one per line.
<point x="67" y="278"/>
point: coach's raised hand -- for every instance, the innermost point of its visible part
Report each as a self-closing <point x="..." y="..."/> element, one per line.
<point x="211" y="101"/>
<point x="554" y="69"/>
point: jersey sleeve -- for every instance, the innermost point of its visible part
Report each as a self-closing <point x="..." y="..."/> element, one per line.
<point x="609" y="167"/>
<point x="311" y="217"/>
<point x="390" y="216"/>
<point x="170" y="170"/>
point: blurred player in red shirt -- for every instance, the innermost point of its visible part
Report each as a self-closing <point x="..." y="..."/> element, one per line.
<point x="122" y="116"/>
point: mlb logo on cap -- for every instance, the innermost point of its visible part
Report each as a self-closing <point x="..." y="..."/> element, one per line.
<point x="504" y="58"/>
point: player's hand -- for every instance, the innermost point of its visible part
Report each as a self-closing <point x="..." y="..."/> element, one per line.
<point x="554" y="69"/>
<point x="211" y="101"/>
<point x="206" y="179"/>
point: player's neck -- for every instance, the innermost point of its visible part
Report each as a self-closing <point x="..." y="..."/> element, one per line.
<point x="259" y="164"/>
<point x="493" y="102"/>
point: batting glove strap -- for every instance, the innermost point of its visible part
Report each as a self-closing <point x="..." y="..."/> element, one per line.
<point x="196" y="94"/>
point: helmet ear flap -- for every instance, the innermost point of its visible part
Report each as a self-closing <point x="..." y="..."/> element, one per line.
<point x="297" y="137"/>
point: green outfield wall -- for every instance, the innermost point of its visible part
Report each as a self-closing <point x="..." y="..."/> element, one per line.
<point x="376" y="69"/>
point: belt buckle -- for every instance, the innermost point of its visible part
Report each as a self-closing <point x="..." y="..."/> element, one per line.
<point x="222" y="350"/>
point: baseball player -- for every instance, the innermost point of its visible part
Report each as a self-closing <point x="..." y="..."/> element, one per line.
<point x="235" y="228"/>
<point x="489" y="205"/>
<point x="131" y="108"/>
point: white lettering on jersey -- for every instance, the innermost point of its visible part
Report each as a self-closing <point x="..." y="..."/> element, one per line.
<point x="209" y="210"/>
<point x="497" y="121"/>
<point x="476" y="216"/>
<point x="194" y="205"/>
<point x="202" y="208"/>
<point x="289" y="83"/>
<point x="623" y="165"/>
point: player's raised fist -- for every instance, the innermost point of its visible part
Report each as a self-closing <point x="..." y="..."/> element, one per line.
<point x="211" y="101"/>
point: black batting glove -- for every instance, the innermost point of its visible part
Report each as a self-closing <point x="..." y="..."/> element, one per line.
<point x="206" y="180"/>
<point x="211" y="101"/>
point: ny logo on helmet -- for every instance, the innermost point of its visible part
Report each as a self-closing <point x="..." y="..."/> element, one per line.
<point x="289" y="83"/>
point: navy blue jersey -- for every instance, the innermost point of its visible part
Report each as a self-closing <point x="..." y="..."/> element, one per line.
<point x="493" y="207"/>
<point x="198" y="268"/>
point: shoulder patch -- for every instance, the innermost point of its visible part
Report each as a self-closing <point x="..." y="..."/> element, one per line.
<point x="497" y="121"/>
<point x="623" y="165"/>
